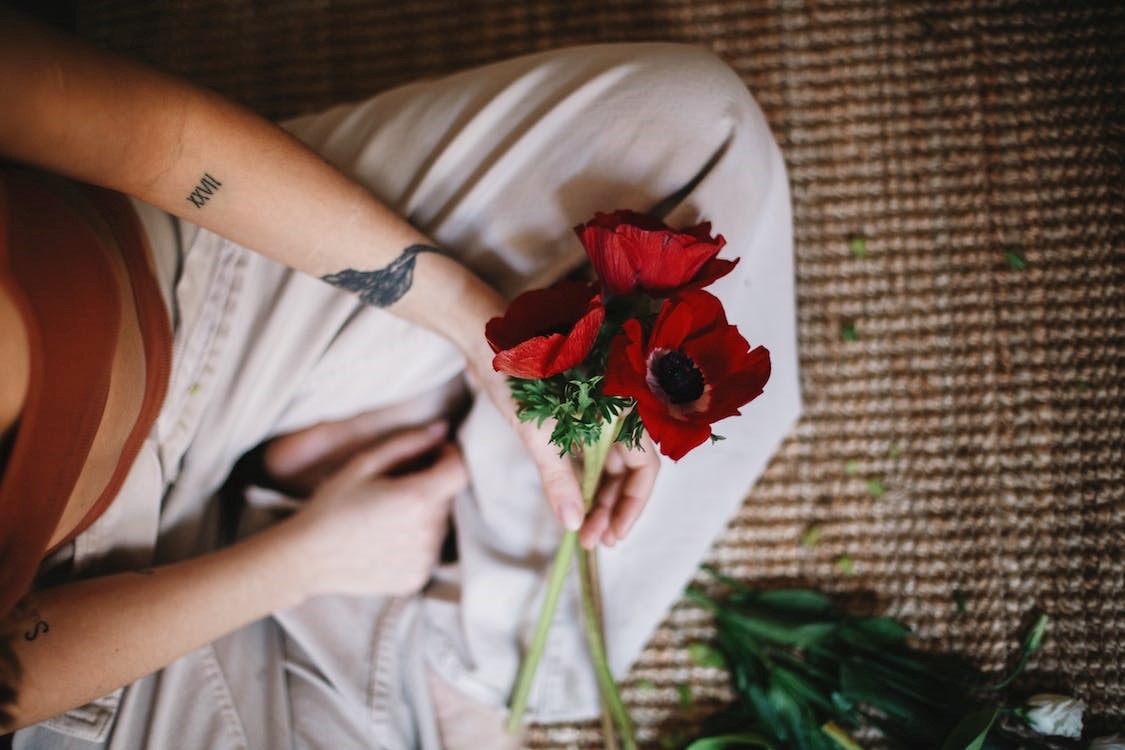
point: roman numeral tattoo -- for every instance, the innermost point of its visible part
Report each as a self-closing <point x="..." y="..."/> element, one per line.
<point x="206" y="188"/>
<point x="383" y="286"/>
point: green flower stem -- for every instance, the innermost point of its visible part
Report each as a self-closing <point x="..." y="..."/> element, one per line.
<point x="590" y="585"/>
<point x="594" y="459"/>
<point x="593" y="462"/>
<point x="530" y="663"/>
<point x="840" y="737"/>
<point x="610" y="694"/>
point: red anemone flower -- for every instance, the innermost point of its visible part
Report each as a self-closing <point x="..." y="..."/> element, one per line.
<point x="695" y="369"/>
<point x="635" y="252"/>
<point x="546" y="331"/>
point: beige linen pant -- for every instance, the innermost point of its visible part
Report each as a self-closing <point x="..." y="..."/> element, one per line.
<point x="496" y="164"/>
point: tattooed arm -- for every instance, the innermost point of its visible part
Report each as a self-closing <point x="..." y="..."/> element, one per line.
<point x="367" y="529"/>
<point x="200" y="157"/>
<point x="214" y="163"/>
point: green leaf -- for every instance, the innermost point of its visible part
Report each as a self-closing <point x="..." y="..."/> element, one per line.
<point x="852" y="467"/>
<point x="885" y="631"/>
<point x="825" y="676"/>
<point x="574" y="402"/>
<point x="875" y="487"/>
<point x="683" y="690"/>
<point x="799" y="687"/>
<point x="1034" y="637"/>
<point x="811" y="535"/>
<point x="786" y="709"/>
<point x="764" y="708"/>
<point x="860" y="683"/>
<point x="894" y="451"/>
<point x="722" y="577"/>
<point x="845" y="565"/>
<point x="842" y="703"/>
<point x="1031" y="643"/>
<point x="960" y="599"/>
<point x="876" y="674"/>
<point x="706" y="656"/>
<point x="802" y="601"/>
<point x="745" y="739"/>
<point x="775" y="628"/>
<point x="847" y="331"/>
<point x="858" y="246"/>
<point x="646" y="684"/>
<point x="673" y="740"/>
<point x="971" y="732"/>
<point x="632" y="429"/>
<point x="1015" y="261"/>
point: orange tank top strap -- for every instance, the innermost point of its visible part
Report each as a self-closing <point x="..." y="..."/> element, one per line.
<point x="58" y="269"/>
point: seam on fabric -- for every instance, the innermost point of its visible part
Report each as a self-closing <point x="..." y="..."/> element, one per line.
<point x="383" y="659"/>
<point x="214" y="673"/>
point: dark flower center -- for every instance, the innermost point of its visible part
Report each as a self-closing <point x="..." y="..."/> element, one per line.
<point x="679" y="377"/>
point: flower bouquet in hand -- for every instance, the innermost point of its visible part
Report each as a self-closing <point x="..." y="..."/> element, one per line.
<point x="643" y="349"/>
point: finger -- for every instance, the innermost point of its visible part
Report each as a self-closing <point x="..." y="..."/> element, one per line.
<point x="615" y="462"/>
<point x="597" y="521"/>
<point x="323" y="447"/>
<point x="444" y="479"/>
<point x="395" y="449"/>
<point x="593" y="527"/>
<point x="559" y="483"/>
<point x="643" y="465"/>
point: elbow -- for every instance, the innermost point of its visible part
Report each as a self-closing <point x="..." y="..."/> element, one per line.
<point x="9" y="682"/>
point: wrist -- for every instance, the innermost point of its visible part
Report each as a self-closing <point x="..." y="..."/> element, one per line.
<point x="294" y="561"/>
<point x="456" y="304"/>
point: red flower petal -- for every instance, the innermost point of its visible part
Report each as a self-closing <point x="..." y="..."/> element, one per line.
<point x="675" y="437"/>
<point x="693" y="313"/>
<point x="693" y="324"/>
<point x="546" y="331"/>
<point x="712" y="271"/>
<point x="634" y="252"/>
<point x="624" y="374"/>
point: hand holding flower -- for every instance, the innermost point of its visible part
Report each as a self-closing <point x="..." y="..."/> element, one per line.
<point x="602" y="370"/>
<point x="544" y="333"/>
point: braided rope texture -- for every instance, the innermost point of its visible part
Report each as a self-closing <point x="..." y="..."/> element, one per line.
<point x="958" y="169"/>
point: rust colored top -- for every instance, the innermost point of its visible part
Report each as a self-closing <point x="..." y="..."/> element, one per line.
<point x="60" y="244"/>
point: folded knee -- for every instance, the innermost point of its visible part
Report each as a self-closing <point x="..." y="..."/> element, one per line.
<point x="689" y="76"/>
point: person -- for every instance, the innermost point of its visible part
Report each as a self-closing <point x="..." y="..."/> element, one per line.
<point x="158" y="339"/>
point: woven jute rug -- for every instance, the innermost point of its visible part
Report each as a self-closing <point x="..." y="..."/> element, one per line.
<point x="958" y="179"/>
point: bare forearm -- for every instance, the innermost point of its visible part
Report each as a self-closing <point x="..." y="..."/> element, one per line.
<point x="82" y="640"/>
<point x="108" y="121"/>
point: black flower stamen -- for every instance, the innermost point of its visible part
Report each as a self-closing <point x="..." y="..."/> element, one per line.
<point x="679" y="377"/>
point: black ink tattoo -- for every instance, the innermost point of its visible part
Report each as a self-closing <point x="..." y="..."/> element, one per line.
<point x="39" y="626"/>
<point x="207" y="187"/>
<point x="384" y="286"/>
